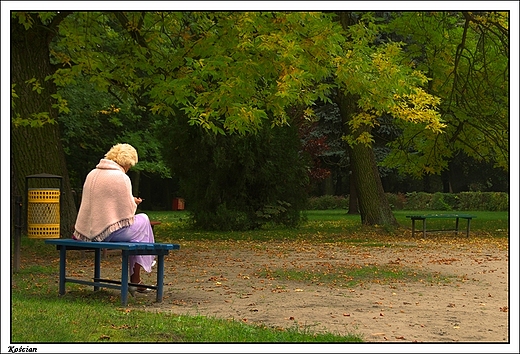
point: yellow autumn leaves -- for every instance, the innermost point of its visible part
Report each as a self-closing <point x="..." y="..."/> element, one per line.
<point x="385" y="87"/>
<point x="110" y="110"/>
<point x="418" y="107"/>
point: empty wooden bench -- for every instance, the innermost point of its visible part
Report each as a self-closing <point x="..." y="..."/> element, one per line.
<point x="127" y="248"/>
<point x="425" y="217"/>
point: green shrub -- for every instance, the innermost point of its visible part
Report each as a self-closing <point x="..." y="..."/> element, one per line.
<point x="396" y="201"/>
<point x="235" y="182"/>
<point x="444" y="201"/>
<point x="223" y="219"/>
<point x="499" y="201"/>
<point x="471" y="201"/>
<point x="418" y="201"/>
<point x="484" y="201"/>
<point x="488" y="201"/>
<point x="279" y="213"/>
<point x="328" y="202"/>
<point x="477" y="201"/>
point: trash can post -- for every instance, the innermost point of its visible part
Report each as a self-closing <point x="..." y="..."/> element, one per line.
<point x="17" y="232"/>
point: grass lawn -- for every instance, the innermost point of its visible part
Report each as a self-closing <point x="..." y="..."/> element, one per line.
<point x="39" y="316"/>
<point x="329" y="226"/>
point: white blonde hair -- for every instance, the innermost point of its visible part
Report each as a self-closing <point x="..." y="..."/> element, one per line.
<point x="123" y="154"/>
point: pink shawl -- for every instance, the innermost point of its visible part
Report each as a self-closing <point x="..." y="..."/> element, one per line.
<point x="107" y="203"/>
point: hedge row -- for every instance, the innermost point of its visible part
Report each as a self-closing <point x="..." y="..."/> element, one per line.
<point x="485" y="201"/>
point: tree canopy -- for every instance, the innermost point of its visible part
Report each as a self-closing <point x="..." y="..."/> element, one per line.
<point x="466" y="57"/>
<point x="236" y="72"/>
<point x="229" y="71"/>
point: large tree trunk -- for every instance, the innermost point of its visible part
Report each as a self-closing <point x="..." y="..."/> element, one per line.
<point x="37" y="150"/>
<point x="372" y="202"/>
<point x="353" y="200"/>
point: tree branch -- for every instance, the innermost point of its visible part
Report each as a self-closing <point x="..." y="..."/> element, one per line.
<point x="136" y="36"/>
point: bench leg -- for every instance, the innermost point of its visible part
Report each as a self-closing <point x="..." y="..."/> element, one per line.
<point x="97" y="266"/>
<point x="124" y="278"/>
<point x="467" y="229"/>
<point x="424" y="228"/>
<point x="63" y="263"/>
<point x="413" y="227"/>
<point x="160" y="277"/>
<point x="457" y="226"/>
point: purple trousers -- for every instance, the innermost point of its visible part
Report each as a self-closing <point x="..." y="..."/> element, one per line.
<point x="139" y="231"/>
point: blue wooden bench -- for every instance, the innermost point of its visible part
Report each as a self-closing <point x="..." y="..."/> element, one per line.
<point x="127" y="249"/>
<point x="423" y="218"/>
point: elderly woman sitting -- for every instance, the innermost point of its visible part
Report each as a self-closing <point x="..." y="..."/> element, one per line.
<point x="107" y="210"/>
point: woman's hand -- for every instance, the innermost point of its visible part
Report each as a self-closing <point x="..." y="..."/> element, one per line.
<point x="138" y="200"/>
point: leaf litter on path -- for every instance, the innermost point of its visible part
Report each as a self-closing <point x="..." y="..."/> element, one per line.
<point x="462" y="297"/>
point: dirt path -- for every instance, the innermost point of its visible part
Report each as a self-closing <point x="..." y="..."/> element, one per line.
<point x="459" y="295"/>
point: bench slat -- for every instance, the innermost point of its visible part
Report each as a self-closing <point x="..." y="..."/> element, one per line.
<point x="441" y="216"/>
<point x="112" y="245"/>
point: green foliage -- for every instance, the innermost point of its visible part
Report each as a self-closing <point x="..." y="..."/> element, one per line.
<point x="396" y="201"/>
<point x="468" y="201"/>
<point x="328" y="202"/>
<point x="492" y="201"/>
<point x="226" y="71"/>
<point x="438" y="201"/>
<point x="374" y="72"/>
<point x="99" y="120"/>
<point x="24" y="19"/>
<point x="466" y="57"/>
<point x="223" y="219"/>
<point x="238" y="182"/>
<point x="232" y="71"/>
<point x="278" y="213"/>
<point x="418" y="201"/>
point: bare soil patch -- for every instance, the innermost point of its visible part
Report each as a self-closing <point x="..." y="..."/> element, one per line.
<point x="464" y="298"/>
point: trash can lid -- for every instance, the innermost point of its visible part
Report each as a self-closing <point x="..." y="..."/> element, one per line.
<point x="43" y="175"/>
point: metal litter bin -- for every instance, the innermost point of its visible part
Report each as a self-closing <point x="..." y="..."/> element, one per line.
<point x="43" y="213"/>
<point x="43" y="210"/>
